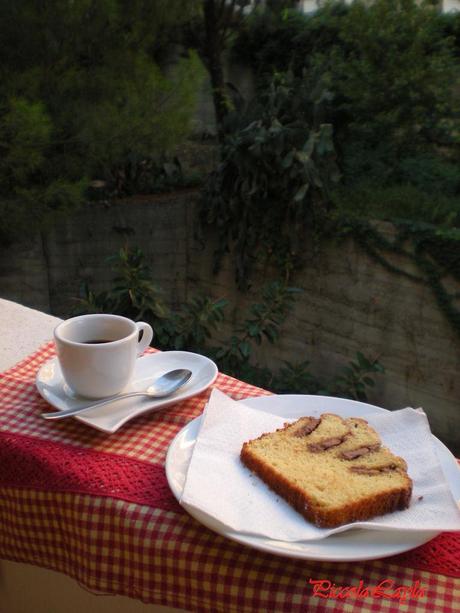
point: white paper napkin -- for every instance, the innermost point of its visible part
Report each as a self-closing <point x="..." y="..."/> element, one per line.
<point x="219" y="485"/>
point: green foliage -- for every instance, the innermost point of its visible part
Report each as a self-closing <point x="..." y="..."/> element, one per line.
<point x="80" y="93"/>
<point x="276" y="41"/>
<point x="392" y="70"/>
<point x="431" y="172"/>
<point x="368" y="200"/>
<point x="352" y="381"/>
<point x="450" y="24"/>
<point x="394" y="79"/>
<point x="397" y="109"/>
<point x="24" y="133"/>
<point x="193" y="324"/>
<point x="138" y="111"/>
<point x="263" y="323"/>
<point x="133" y="291"/>
<point x="296" y="378"/>
<point x="193" y="327"/>
<point x="274" y="178"/>
<point x="388" y="62"/>
<point x="134" y="294"/>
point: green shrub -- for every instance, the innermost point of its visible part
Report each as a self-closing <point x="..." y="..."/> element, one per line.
<point x="274" y="178"/>
<point x="393" y="202"/>
<point x="432" y="173"/>
<point x="352" y="380"/>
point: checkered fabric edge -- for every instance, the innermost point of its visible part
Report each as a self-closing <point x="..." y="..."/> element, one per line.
<point x="116" y="547"/>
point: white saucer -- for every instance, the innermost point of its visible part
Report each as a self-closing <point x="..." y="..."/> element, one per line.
<point x="110" y="417"/>
<point x="352" y="545"/>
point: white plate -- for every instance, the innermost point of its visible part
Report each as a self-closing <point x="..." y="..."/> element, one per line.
<point x="352" y="545"/>
<point x="110" y="417"/>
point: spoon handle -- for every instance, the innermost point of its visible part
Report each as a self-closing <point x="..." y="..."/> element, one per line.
<point x="78" y="410"/>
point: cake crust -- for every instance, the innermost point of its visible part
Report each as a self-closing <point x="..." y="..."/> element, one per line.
<point x="353" y="463"/>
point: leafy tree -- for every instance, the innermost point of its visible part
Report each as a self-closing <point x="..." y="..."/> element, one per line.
<point x="80" y="94"/>
<point x="212" y="32"/>
<point x="396" y="110"/>
<point x="395" y="78"/>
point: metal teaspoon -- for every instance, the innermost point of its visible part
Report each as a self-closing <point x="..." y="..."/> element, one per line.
<point x="160" y="388"/>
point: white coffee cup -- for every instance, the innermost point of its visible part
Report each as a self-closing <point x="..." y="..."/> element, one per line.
<point x="97" y="353"/>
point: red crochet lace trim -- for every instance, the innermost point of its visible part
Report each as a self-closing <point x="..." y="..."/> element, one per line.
<point x="34" y="463"/>
<point x="441" y="555"/>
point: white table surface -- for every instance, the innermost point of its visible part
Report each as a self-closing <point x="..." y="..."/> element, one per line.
<point x="25" y="588"/>
<point x="22" y="331"/>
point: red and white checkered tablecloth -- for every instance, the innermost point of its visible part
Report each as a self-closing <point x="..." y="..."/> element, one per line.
<point x="135" y="540"/>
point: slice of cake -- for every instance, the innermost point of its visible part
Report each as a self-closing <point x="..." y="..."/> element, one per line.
<point x="331" y="470"/>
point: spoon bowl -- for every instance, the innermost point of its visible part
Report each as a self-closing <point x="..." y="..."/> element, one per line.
<point x="168" y="383"/>
<point x="163" y="386"/>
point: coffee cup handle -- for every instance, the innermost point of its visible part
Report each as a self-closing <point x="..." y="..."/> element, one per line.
<point x="147" y="335"/>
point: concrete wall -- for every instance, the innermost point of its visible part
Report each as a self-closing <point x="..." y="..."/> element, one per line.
<point x="78" y="248"/>
<point x="47" y="272"/>
<point x="349" y="303"/>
